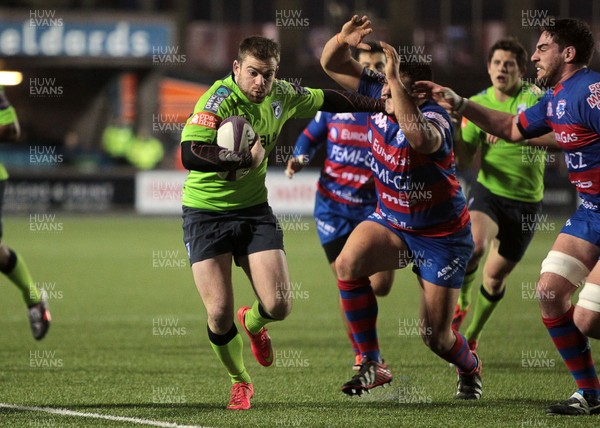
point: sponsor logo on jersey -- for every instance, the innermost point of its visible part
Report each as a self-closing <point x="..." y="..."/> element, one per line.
<point x="223" y="91"/>
<point x="343" y="116"/>
<point x="565" y="137"/>
<point x="380" y="120"/>
<point x="277" y="109"/>
<point x="549" y="109"/>
<point x="574" y="160"/>
<point x="582" y="184"/>
<point x="333" y="134"/>
<point x="437" y="117"/>
<point x="350" y="156"/>
<point x="394" y="221"/>
<point x="560" y="108"/>
<point x="389" y="159"/>
<point x="352" y="136"/>
<point x="214" y="101"/>
<point x="205" y="119"/>
<point x="594" y="99"/>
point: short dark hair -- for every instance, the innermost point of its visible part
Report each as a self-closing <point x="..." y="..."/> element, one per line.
<point x="416" y="70"/>
<point x="573" y="32"/>
<point x="510" y="44"/>
<point x="375" y="48"/>
<point x="259" y="47"/>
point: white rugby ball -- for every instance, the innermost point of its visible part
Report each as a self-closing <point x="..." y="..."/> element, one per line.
<point x="235" y="133"/>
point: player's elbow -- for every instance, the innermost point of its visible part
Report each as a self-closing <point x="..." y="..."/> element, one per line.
<point x="187" y="156"/>
<point x="424" y="143"/>
<point x="326" y="64"/>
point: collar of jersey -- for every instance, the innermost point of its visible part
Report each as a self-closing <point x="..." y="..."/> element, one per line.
<point x="235" y="88"/>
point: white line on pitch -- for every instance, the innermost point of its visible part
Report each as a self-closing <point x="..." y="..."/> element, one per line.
<point x="66" y="412"/>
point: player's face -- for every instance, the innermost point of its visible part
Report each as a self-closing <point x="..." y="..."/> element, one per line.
<point x="548" y="61"/>
<point x="504" y="71"/>
<point x="372" y="61"/>
<point x="255" y="77"/>
<point x="386" y="92"/>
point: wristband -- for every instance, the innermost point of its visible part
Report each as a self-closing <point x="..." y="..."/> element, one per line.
<point x="337" y="39"/>
<point x="461" y="107"/>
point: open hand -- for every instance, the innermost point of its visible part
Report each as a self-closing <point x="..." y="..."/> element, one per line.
<point x="445" y="97"/>
<point x="354" y="31"/>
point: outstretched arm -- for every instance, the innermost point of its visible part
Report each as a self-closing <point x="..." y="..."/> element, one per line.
<point x="308" y="142"/>
<point x="500" y="124"/>
<point x="336" y="59"/>
<point x="420" y="134"/>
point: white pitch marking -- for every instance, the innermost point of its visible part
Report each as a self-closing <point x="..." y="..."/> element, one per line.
<point x="66" y="412"/>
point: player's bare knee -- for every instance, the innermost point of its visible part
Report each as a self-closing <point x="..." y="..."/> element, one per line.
<point x="478" y="251"/>
<point x="278" y="309"/>
<point x="588" y="323"/>
<point x="344" y="267"/>
<point x="546" y="292"/>
<point x="494" y="284"/>
<point x="219" y="323"/>
<point x="381" y="287"/>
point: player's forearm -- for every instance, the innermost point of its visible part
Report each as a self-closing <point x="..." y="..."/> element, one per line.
<point x="338" y="63"/>
<point x="305" y="147"/>
<point x="493" y="122"/>
<point x="339" y="101"/>
<point x="335" y="56"/>
<point x="418" y="132"/>
<point x="548" y="140"/>
<point x="205" y="157"/>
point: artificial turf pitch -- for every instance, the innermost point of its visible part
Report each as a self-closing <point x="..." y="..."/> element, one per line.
<point x="128" y="339"/>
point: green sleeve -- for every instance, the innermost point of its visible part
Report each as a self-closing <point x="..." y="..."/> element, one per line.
<point x="8" y="116"/>
<point x="301" y="102"/>
<point x="209" y="111"/>
<point x="471" y="134"/>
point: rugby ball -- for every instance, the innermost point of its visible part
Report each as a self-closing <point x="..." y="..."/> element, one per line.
<point x="235" y="133"/>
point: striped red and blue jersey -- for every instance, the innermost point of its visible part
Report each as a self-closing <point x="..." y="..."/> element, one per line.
<point x="417" y="192"/>
<point x="572" y="110"/>
<point x="346" y="175"/>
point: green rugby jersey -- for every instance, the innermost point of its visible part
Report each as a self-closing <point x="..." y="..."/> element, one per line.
<point x="206" y="190"/>
<point x="510" y="170"/>
<point x="7" y="116"/>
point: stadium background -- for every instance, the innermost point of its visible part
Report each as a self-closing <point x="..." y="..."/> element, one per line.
<point x="106" y="86"/>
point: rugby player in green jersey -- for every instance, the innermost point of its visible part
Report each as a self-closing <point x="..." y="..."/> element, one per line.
<point x="225" y="221"/>
<point x="12" y="264"/>
<point x="505" y="202"/>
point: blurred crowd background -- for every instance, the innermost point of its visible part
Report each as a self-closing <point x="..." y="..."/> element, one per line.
<point x="107" y="84"/>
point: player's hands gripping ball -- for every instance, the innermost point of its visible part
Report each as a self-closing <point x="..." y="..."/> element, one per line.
<point x="237" y="135"/>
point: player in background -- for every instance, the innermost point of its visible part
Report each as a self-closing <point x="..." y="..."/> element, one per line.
<point x="421" y="216"/>
<point x="225" y="221"/>
<point x="346" y="192"/>
<point x="12" y="265"/>
<point x="572" y="110"/>
<point x="505" y="202"/>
